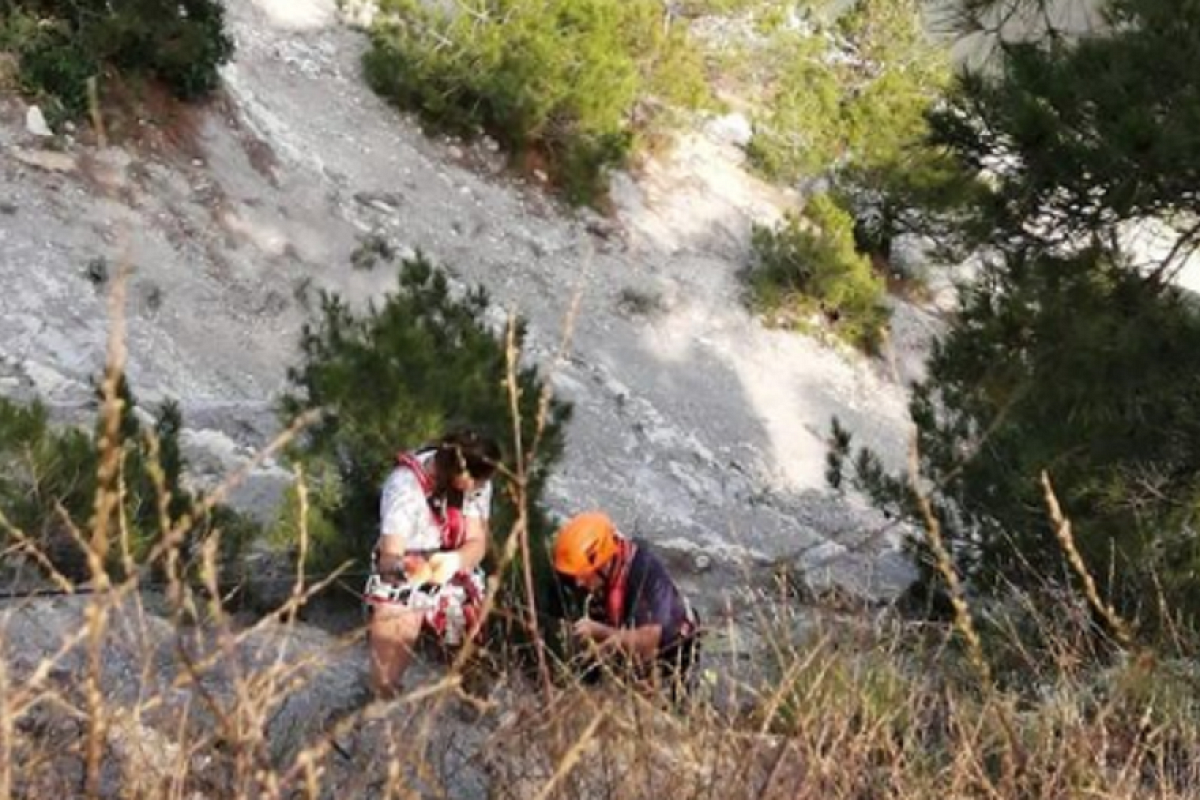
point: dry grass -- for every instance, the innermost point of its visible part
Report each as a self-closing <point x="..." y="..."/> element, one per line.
<point x="130" y="692"/>
<point x="8" y="71"/>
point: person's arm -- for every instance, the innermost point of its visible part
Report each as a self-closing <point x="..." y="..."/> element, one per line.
<point x="390" y="556"/>
<point x="656" y="612"/>
<point x="474" y="546"/>
<point x="641" y="642"/>
<point x="398" y="508"/>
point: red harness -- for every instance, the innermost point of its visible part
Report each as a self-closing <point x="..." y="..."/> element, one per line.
<point x="614" y="600"/>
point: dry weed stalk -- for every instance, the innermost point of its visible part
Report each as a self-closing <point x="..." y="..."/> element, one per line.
<point x="963" y="621"/>
<point x="1066" y="539"/>
<point x="518" y="481"/>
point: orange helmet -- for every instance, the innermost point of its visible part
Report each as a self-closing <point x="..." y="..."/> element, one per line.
<point x="585" y="544"/>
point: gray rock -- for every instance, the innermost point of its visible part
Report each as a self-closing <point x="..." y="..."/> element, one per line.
<point x="698" y="384"/>
<point x="47" y="160"/>
<point x="35" y="122"/>
<point x="734" y="129"/>
<point x="293" y="686"/>
<point x="386" y="202"/>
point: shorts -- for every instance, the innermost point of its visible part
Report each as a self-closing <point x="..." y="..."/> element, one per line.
<point x="450" y="609"/>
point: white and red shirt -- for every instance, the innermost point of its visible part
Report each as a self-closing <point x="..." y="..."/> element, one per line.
<point x="404" y="509"/>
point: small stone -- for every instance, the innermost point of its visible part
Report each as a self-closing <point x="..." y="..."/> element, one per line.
<point x="702" y="562"/>
<point x="197" y="162"/>
<point x="96" y="271"/>
<point x="540" y="176"/>
<point x="35" y="122"/>
<point x="385" y="202"/>
<point x="46" y="159"/>
<point x="454" y="151"/>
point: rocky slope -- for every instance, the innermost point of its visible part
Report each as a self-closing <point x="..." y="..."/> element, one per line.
<point x="279" y="710"/>
<point x="695" y="426"/>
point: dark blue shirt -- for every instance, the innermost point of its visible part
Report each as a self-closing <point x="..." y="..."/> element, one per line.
<point x="652" y="598"/>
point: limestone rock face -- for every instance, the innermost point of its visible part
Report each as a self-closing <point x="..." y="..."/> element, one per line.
<point x="693" y="423"/>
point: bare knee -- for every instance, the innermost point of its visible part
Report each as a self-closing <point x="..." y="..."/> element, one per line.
<point x="392" y="635"/>
<point x="394" y="625"/>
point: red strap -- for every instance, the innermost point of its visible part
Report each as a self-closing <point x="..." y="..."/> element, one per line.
<point x="615" y="600"/>
<point x="450" y="522"/>
<point x="409" y="460"/>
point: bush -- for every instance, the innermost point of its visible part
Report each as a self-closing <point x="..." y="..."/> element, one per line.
<point x="809" y="266"/>
<point x="396" y="377"/>
<point x="563" y="78"/>
<point x="60" y="45"/>
<point x="849" y="102"/>
<point x="49" y="481"/>
<point x="859" y="103"/>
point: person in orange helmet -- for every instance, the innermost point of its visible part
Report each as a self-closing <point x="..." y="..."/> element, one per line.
<point x="641" y="615"/>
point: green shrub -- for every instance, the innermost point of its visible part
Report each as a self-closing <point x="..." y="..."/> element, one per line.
<point x="44" y="469"/>
<point x="60" y="44"/>
<point x="848" y="102"/>
<point x="862" y="108"/>
<point x="809" y="265"/>
<point x="395" y="377"/>
<point x="562" y="78"/>
<point x="179" y="42"/>
<point x="803" y="133"/>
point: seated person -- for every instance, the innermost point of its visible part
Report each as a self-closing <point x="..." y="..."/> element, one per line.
<point x="425" y="567"/>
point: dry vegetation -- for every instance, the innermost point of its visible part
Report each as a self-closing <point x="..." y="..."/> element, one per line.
<point x="129" y="703"/>
<point x="117" y="689"/>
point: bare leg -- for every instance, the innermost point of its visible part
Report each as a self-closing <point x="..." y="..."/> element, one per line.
<point x="393" y="632"/>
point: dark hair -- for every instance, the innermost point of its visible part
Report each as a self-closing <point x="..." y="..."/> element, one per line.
<point x="466" y="449"/>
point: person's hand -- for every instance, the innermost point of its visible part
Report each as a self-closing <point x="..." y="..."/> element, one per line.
<point x="444" y="566"/>
<point x="417" y="569"/>
<point x="591" y="630"/>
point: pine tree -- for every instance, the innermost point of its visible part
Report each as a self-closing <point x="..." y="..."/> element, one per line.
<point x="49" y="471"/>
<point x="396" y="377"/>
<point x="1082" y="135"/>
<point x="1068" y="356"/>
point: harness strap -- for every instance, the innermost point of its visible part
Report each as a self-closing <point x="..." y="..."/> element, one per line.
<point x="614" y="601"/>
<point x="448" y="520"/>
<point x="382" y="592"/>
